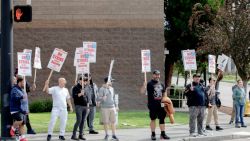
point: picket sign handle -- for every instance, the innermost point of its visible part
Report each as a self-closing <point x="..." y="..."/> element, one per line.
<point x="76" y="78"/>
<point x="82" y="85"/>
<point x="24" y="79"/>
<point x="35" y="77"/>
<point x="190" y="75"/>
<point x="145" y="77"/>
<point x="48" y="78"/>
<point x="110" y="70"/>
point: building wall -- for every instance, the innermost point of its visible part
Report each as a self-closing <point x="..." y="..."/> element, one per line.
<point x="120" y="28"/>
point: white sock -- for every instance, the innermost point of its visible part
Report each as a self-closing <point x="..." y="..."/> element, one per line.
<point x="22" y="136"/>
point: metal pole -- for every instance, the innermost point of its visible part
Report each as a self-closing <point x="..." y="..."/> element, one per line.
<point x="7" y="65"/>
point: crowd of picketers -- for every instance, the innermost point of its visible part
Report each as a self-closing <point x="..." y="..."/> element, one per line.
<point x="200" y="97"/>
<point x="87" y="97"/>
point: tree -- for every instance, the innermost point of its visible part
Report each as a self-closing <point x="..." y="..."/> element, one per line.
<point x="231" y="35"/>
<point x="179" y="34"/>
<point x="176" y="32"/>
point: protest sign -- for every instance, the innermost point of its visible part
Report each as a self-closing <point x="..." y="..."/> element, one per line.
<point x="28" y="51"/>
<point x="82" y="60"/>
<point x="24" y="64"/>
<point x="146" y="61"/>
<point x="79" y="50"/>
<point x="189" y="60"/>
<point x="92" y="47"/>
<point x="222" y="62"/>
<point x="211" y="63"/>
<point x="37" y="59"/>
<point x="57" y="59"/>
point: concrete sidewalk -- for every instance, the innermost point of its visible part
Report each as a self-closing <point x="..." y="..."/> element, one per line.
<point x="176" y="132"/>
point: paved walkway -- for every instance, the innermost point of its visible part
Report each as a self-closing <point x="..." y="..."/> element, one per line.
<point x="176" y="132"/>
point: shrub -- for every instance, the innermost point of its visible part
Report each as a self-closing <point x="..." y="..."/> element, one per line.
<point x="40" y="106"/>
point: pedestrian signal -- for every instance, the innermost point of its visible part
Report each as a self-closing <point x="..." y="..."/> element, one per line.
<point x="22" y="13"/>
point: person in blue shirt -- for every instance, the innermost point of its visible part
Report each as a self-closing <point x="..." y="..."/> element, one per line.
<point x="18" y="108"/>
<point x="239" y="100"/>
<point x="196" y="101"/>
<point x="28" y="90"/>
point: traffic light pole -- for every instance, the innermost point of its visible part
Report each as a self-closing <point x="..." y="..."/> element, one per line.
<point x="6" y="65"/>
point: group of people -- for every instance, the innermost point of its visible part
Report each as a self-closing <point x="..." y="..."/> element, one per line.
<point x="86" y="97"/>
<point x="200" y="97"/>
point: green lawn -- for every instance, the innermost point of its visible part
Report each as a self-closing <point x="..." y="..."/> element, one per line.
<point x="128" y="119"/>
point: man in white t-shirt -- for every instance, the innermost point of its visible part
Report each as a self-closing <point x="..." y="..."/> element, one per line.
<point x="61" y="97"/>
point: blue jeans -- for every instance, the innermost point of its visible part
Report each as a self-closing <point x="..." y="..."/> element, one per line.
<point x="239" y="111"/>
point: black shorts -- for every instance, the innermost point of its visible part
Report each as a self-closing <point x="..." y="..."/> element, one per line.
<point x="156" y="112"/>
<point x="19" y="117"/>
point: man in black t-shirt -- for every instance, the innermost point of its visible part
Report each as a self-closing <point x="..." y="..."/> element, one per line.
<point x="155" y="91"/>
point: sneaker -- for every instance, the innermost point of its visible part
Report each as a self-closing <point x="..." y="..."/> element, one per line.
<point x="230" y="122"/>
<point x="218" y="128"/>
<point x="23" y="139"/>
<point x="202" y="134"/>
<point x="49" y="138"/>
<point x="165" y="137"/>
<point x="243" y="126"/>
<point x="106" y="138"/>
<point x="61" y="138"/>
<point x="192" y="135"/>
<point x="115" y="138"/>
<point x="153" y="137"/>
<point x="208" y="128"/>
<point x="81" y="137"/>
<point x="31" y="132"/>
<point x="237" y="126"/>
<point x="93" y="132"/>
<point x="73" y="137"/>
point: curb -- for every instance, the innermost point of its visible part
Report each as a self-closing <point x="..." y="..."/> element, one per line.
<point x="218" y="138"/>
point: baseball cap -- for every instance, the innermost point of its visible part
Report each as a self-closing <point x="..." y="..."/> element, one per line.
<point x="87" y="75"/>
<point x="156" y="72"/>
<point x="84" y="78"/>
<point x="106" y="79"/>
<point x="196" y="75"/>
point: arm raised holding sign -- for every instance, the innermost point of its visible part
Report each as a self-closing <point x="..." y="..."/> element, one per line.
<point x="46" y="86"/>
<point x="143" y="89"/>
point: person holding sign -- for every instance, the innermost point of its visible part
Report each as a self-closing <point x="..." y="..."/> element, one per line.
<point x="81" y="106"/>
<point x="28" y="89"/>
<point x="61" y="97"/>
<point x="109" y="107"/>
<point x="196" y="98"/>
<point x="212" y="108"/>
<point x="155" y="91"/>
<point x="146" y="67"/>
<point x="18" y="109"/>
<point x="92" y="92"/>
